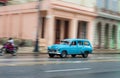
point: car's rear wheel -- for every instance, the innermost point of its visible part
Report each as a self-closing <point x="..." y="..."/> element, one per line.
<point x="85" y="55"/>
<point x="63" y="54"/>
<point x="51" y="55"/>
<point x="74" y="55"/>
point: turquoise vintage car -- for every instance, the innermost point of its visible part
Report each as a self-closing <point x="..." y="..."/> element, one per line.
<point x="71" y="47"/>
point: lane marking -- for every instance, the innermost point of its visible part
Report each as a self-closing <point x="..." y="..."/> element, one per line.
<point x="45" y="61"/>
<point x="51" y="62"/>
<point x="65" y="70"/>
<point x="58" y="59"/>
<point x="35" y="63"/>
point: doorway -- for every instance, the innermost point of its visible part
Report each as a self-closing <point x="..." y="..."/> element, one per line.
<point x="61" y="29"/>
<point x="82" y="30"/>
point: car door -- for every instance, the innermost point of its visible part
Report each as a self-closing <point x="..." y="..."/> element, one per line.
<point x="80" y="47"/>
<point x="73" y="47"/>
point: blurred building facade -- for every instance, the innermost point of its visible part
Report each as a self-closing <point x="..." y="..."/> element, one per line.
<point x="107" y="28"/>
<point x="107" y="31"/>
<point x="96" y="20"/>
<point x="60" y="20"/>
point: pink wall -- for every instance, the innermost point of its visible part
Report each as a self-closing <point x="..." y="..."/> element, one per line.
<point x="21" y="20"/>
<point x="18" y="21"/>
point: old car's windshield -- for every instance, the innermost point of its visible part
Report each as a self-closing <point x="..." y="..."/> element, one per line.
<point x="65" y="42"/>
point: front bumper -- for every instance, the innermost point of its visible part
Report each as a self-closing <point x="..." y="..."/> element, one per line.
<point x="52" y="52"/>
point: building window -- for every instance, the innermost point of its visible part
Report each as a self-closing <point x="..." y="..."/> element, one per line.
<point x="115" y="5"/>
<point x="86" y="43"/>
<point x="100" y="3"/>
<point x="43" y="28"/>
<point x="107" y="4"/>
<point x="80" y="42"/>
<point x="73" y="43"/>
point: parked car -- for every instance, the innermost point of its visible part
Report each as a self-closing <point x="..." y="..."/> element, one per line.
<point x="71" y="47"/>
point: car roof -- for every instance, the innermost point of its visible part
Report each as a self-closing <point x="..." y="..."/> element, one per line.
<point x="75" y="39"/>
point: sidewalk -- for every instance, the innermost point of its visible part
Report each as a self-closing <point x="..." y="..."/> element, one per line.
<point x="30" y="50"/>
<point x="106" y="51"/>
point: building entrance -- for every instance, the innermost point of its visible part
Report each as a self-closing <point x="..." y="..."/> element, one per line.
<point x="61" y="30"/>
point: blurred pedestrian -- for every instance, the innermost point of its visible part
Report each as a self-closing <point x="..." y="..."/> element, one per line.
<point x="10" y="40"/>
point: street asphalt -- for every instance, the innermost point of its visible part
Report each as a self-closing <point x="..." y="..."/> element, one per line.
<point x="30" y="66"/>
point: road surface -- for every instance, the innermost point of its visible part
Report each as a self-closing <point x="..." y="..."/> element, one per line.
<point x="95" y="66"/>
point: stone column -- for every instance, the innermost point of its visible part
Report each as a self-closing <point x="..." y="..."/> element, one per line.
<point x="62" y="32"/>
<point x="103" y="36"/>
<point x="10" y="25"/>
<point x="73" y="28"/>
<point x="116" y="37"/>
<point x="95" y="40"/>
<point x="90" y="31"/>
<point x="4" y="25"/>
<point x="50" y="29"/>
<point x="110" y="37"/>
<point x="20" y="25"/>
<point x="7" y="25"/>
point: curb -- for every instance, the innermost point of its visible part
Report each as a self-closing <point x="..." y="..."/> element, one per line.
<point x="30" y="53"/>
<point x="105" y="53"/>
<point x="47" y="53"/>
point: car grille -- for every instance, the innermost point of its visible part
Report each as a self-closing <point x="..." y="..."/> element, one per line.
<point x="53" y="50"/>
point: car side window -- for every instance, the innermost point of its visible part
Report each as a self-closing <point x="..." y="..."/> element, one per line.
<point x="73" y="43"/>
<point x="86" y="43"/>
<point x="80" y="43"/>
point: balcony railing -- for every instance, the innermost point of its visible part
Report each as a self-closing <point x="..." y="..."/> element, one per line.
<point x="104" y="10"/>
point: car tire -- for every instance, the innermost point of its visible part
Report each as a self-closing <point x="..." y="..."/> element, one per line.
<point x="73" y="55"/>
<point x="63" y="54"/>
<point x="51" y="55"/>
<point x="85" y="55"/>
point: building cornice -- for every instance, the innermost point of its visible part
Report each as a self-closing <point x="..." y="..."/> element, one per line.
<point x="110" y="16"/>
<point x="65" y="6"/>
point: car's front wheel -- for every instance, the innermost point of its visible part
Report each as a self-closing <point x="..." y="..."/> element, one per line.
<point x="63" y="54"/>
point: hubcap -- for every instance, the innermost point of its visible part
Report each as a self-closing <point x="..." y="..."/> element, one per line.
<point x="64" y="54"/>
